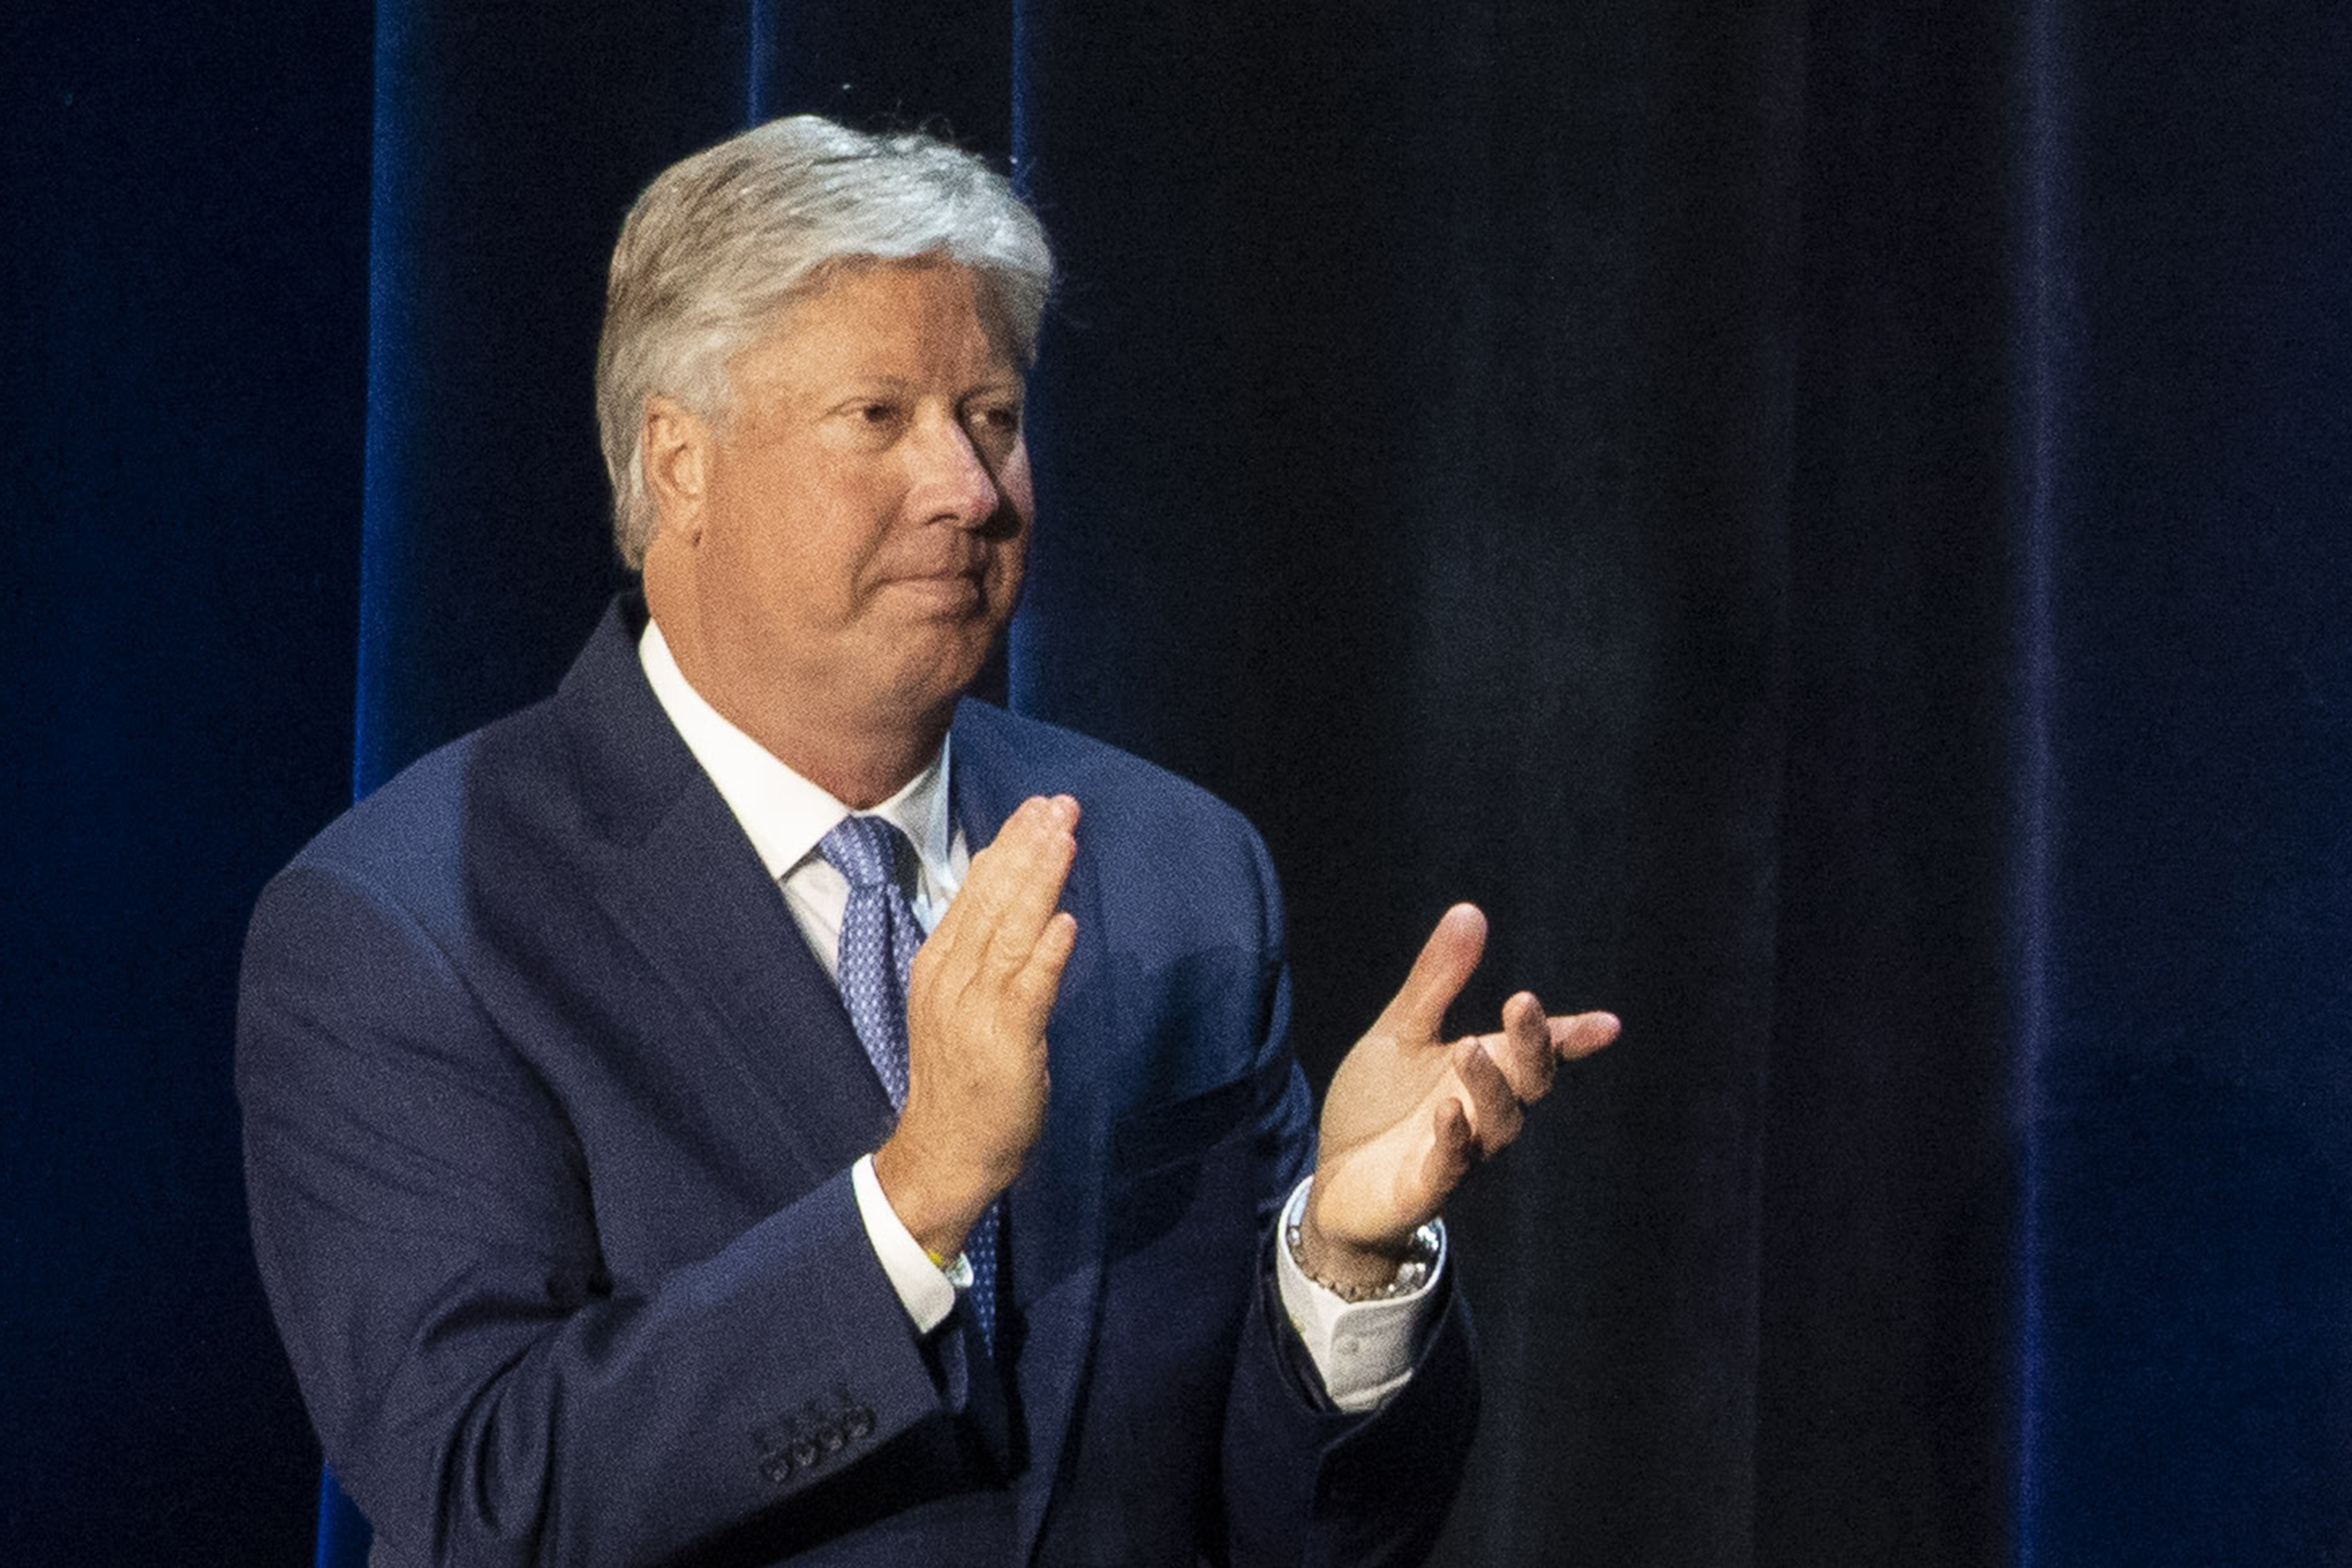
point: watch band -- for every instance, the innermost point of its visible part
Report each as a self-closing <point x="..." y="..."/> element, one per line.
<point x="1413" y="1271"/>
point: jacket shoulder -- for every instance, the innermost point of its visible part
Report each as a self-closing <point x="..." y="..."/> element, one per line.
<point x="1113" y="787"/>
<point x="416" y="822"/>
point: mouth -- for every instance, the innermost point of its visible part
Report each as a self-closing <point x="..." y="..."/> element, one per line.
<point x="945" y="591"/>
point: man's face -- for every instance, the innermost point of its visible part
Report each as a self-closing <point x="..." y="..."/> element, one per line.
<point x="866" y="501"/>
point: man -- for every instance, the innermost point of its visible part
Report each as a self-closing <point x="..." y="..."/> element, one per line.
<point x="630" y="1189"/>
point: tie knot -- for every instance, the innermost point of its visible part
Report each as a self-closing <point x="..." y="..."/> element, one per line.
<point x="864" y="849"/>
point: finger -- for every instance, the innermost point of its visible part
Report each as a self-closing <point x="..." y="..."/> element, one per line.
<point x="984" y="890"/>
<point x="1451" y="1155"/>
<point x="1012" y="888"/>
<point x="1438" y="974"/>
<point x="964" y="946"/>
<point x="1038" y="867"/>
<point x="1039" y="981"/>
<point x="1524" y="1048"/>
<point x="1495" y="1113"/>
<point x="1032" y="824"/>
<point x="1582" y="1034"/>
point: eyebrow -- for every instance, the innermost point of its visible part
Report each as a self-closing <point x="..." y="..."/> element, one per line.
<point x="1013" y="386"/>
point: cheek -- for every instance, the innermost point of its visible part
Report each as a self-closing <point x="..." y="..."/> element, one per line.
<point x="1008" y="556"/>
<point x="808" y="530"/>
<point x="1004" y="579"/>
<point x="1011" y="553"/>
<point x="1013" y="478"/>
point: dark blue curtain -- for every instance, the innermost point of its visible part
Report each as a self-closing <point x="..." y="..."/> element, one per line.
<point x="184" y="286"/>
<point x="1831" y="522"/>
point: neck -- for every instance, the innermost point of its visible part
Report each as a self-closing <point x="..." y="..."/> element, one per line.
<point x="861" y="771"/>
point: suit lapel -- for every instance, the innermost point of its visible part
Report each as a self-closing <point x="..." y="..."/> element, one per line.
<point x="683" y="882"/>
<point x="1054" y="1211"/>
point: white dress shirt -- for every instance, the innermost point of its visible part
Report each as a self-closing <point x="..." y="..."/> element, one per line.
<point x="1363" y="1350"/>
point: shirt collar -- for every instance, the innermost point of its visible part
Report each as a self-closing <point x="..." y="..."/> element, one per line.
<point x="782" y="812"/>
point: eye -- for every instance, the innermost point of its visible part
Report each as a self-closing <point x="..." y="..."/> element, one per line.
<point x="1002" y="419"/>
<point x="872" y="421"/>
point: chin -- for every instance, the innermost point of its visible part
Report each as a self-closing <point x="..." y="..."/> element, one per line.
<point x="934" y="671"/>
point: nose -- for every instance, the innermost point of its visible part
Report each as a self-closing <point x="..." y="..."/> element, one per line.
<point x="954" y="485"/>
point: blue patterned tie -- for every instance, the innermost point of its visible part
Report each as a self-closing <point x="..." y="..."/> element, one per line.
<point x="878" y="938"/>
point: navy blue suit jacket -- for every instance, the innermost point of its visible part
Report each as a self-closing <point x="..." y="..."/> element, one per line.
<point x="549" y="1115"/>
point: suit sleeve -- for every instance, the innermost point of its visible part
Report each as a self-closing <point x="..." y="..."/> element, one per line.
<point x="1303" y="1482"/>
<point x="426" y="1230"/>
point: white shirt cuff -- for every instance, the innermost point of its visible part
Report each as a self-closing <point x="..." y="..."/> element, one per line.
<point x="927" y="1291"/>
<point x="1364" y="1350"/>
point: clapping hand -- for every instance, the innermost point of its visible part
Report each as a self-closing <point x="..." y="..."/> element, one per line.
<point x="982" y="988"/>
<point x="1409" y="1113"/>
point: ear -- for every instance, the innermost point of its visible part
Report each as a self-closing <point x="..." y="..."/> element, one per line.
<point x="676" y="450"/>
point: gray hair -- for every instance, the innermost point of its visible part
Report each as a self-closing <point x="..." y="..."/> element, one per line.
<point x="721" y="242"/>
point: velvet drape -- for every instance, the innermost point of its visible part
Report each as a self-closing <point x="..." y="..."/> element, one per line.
<point x="1829" y="522"/>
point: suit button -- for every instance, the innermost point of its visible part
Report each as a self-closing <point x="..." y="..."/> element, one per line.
<point x="804" y="1452"/>
<point x="777" y="1468"/>
<point x="861" y="1421"/>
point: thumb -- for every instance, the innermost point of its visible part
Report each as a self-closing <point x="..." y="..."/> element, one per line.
<point x="1445" y="965"/>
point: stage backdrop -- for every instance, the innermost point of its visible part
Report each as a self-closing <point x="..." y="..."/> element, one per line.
<point x="1831" y="523"/>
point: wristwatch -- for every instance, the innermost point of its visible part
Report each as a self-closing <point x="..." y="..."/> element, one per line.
<point x="1412" y="1273"/>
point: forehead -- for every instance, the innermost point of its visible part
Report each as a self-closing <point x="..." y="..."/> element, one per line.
<point x="927" y="319"/>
